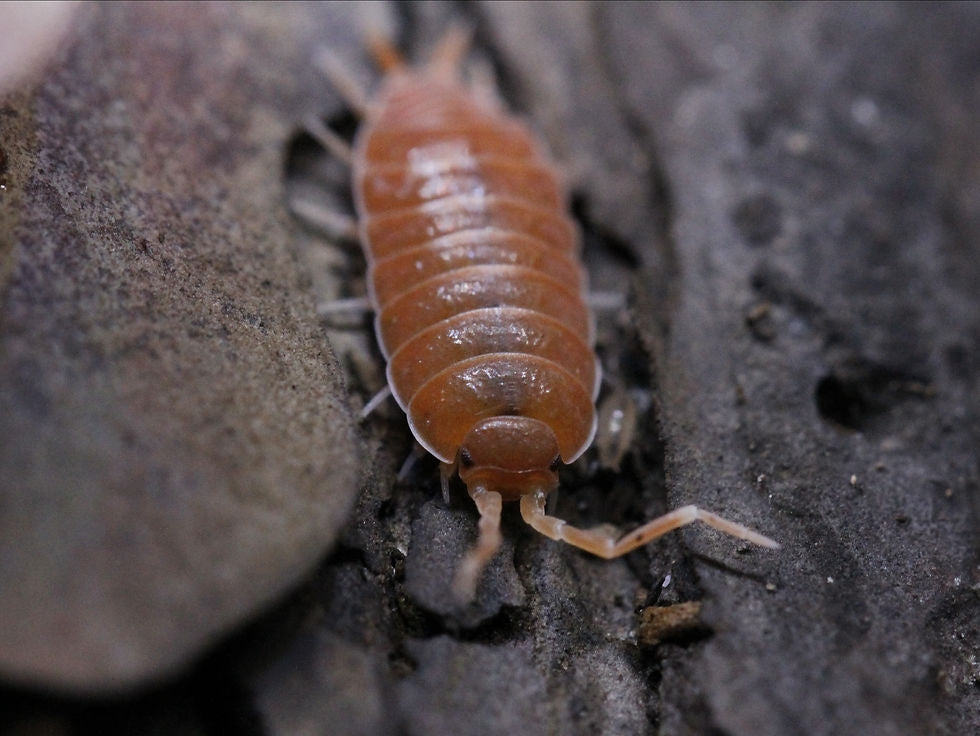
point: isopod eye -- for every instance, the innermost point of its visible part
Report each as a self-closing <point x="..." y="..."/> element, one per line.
<point x="465" y="459"/>
<point x="555" y="464"/>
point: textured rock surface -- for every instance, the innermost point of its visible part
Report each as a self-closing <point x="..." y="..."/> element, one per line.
<point x="792" y="193"/>
<point x="176" y="445"/>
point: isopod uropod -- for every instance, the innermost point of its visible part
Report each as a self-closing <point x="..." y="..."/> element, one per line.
<point x="479" y="299"/>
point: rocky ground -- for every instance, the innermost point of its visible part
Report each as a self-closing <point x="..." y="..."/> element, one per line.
<point x="196" y="535"/>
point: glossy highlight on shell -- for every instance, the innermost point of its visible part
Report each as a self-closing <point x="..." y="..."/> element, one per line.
<point x="474" y="275"/>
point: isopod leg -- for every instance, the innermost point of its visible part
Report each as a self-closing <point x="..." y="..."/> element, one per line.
<point x="606" y="301"/>
<point x="330" y="141"/>
<point x="447" y="57"/>
<point x="446" y="471"/>
<point x="483" y="84"/>
<point x="342" y="79"/>
<point x="354" y="305"/>
<point x="334" y="224"/>
<point x="488" y="503"/>
<point x="600" y="542"/>
<point x="375" y="401"/>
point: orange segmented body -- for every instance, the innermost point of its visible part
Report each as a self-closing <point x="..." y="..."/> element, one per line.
<point x="474" y="276"/>
<point x="479" y="300"/>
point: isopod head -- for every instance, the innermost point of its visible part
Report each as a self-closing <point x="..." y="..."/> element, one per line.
<point x="512" y="455"/>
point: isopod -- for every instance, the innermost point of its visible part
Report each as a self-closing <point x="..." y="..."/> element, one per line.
<point x="480" y="298"/>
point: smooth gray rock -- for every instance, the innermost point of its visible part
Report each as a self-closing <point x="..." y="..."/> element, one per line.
<point x="176" y="444"/>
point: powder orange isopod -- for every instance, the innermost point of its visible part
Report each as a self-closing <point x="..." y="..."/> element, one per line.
<point x="480" y="299"/>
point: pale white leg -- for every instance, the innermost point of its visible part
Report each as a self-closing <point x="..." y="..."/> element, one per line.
<point x="330" y="141"/>
<point x="447" y="57"/>
<point x="616" y="426"/>
<point x="446" y="471"/>
<point x="413" y="457"/>
<point x="483" y="84"/>
<point x="342" y="79"/>
<point x="606" y="301"/>
<point x="352" y="305"/>
<point x="489" y="504"/>
<point x="601" y="541"/>
<point x="334" y="224"/>
<point x="375" y="402"/>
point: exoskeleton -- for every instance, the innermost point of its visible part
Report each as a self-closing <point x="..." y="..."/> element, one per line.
<point x="480" y="299"/>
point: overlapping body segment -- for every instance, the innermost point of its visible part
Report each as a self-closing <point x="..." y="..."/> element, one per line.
<point x="391" y="232"/>
<point x="478" y="294"/>
<point x="410" y="266"/>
